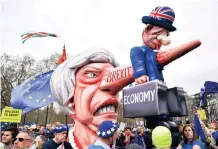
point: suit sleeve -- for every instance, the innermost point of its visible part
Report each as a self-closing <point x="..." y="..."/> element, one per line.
<point x="137" y="56"/>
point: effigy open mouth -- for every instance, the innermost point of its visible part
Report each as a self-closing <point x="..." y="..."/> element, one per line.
<point x="107" y="107"/>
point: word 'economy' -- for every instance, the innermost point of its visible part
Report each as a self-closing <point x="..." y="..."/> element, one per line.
<point x="139" y="97"/>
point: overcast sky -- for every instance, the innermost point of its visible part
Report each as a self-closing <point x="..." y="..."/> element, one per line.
<point x="114" y="25"/>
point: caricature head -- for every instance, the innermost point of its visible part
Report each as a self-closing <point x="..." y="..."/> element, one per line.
<point x="158" y="25"/>
<point x="155" y="36"/>
<point x="76" y="83"/>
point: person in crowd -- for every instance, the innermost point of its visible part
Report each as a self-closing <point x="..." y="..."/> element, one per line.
<point x="48" y="126"/>
<point x="128" y="136"/>
<point x="134" y="146"/>
<point x="161" y="137"/>
<point x="214" y="139"/>
<point x="33" y="127"/>
<point x="25" y="140"/>
<point x="26" y="127"/>
<point x="53" y="127"/>
<point x="40" y="140"/>
<point x="176" y="134"/>
<point x="190" y="139"/>
<point x="125" y="138"/>
<point x="108" y="131"/>
<point x="59" y="140"/>
<point x="8" y="137"/>
<point x="48" y="133"/>
<point x="41" y="130"/>
<point x="216" y="146"/>
<point x="139" y="138"/>
<point x="147" y="138"/>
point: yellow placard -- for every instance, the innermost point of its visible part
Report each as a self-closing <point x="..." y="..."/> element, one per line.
<point x="6" y="107"/>
<point x="11" y="115"/>
<point x="202" y="115"/>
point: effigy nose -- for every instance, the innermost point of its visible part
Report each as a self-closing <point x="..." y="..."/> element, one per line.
<point x="116" y="79"/>
<point x="165" y="40"/>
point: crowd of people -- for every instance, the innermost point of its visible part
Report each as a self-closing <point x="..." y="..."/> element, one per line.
<point x="110" y="136"/>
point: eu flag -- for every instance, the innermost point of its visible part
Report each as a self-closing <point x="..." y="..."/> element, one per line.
<point x="198" y="129"/>
<point x="33" y="93"/>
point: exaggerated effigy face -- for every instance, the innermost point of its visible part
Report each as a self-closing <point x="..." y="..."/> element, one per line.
<point x="154" y="37"/>
<point x="93" y="105"/>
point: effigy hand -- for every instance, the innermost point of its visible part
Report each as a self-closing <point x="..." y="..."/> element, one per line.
<point x="142" y="79"/>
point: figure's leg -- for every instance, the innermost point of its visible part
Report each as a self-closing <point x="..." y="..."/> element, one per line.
<point x="137" y="57"/>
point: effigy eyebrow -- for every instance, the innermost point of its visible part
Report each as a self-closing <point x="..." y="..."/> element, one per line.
<point x="99" y="69"/>
<point x="157" y="31"/>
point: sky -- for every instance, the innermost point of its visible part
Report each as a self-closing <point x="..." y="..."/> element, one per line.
<point x="114" y="25"/>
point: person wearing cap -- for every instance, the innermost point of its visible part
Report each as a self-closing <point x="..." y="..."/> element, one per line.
<point x="161" y="137"/>
<point x="59" y="140"/>
<point x="108" y="131"/>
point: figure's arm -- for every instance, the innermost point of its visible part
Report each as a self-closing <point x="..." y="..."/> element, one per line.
<point x="137" y="56"/>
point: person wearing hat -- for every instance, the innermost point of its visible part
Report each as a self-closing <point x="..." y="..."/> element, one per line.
<point x="147" y="61"/>
<point x="161" y="137"/>
<point x="155" y="34"/>
<point x="59" y="141"/>
<point x="108" y="131"/>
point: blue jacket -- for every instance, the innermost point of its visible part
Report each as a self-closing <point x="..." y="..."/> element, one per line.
<point x="99" y="145"/>
<point x="144" y="62"/>
<point x="190" y="145"/>
<point x="139" y="140"/>
<point x="95" y="147"/>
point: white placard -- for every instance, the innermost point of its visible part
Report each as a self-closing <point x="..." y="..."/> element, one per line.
<point x="122" y="126"/>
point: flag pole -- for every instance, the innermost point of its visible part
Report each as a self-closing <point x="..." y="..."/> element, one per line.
<point x="37" y="120"/>
<point x="66" y="119"/>
<point x="46" y="117"/>
<point x="24" y="119"/>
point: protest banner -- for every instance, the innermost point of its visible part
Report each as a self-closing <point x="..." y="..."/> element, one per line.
<point x="11" y="115"/>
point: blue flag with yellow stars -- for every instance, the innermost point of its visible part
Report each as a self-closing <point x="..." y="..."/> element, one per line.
<point x="33" y="93"/>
